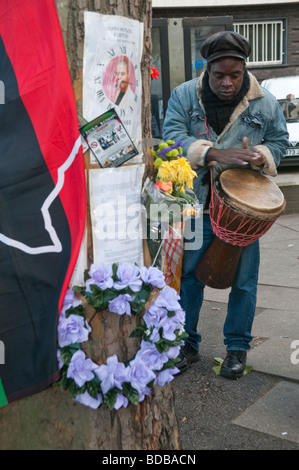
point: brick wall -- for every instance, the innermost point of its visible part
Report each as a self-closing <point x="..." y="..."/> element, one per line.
<point x="285" y="10"/>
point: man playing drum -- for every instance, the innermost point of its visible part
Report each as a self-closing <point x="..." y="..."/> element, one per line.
<point x="225" y="120"/>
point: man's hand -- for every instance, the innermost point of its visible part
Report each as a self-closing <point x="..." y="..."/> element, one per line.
<point x="235" y="156"/>
<point x="260" y="159"/>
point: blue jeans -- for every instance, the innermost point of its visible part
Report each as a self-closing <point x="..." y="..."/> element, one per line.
<point x="242" y="297"/>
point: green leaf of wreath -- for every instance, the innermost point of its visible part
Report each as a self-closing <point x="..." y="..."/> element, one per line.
<point x="109" y="399"/>
<point x="164" y="344"/>
<point x="109" y="295"/>
<point x="63" y="381"/>
<point x="79" y="310"/>
<point x="67" y="352"/>
<point x="138" y="331"/>
<point x="131" y="393"/>
<point x="144" y="293"/>
<point x="95" y="298"/>
<point x="92" y="388"/>
<point x="75" y="390"/>
<point x="137" y="307"/>
<point x="140" y="300"/>
<point x="171" y="363"/>
<point x="170" y="314"/>
<point x="114" y="270"/>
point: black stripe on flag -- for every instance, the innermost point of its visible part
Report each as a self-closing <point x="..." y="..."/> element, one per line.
<point x="30" y="284"/>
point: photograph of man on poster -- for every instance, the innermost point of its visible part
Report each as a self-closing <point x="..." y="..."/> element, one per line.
<point x="124" y="96"/>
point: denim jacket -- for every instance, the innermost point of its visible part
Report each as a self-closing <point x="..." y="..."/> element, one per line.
<point x="258" y="116"/>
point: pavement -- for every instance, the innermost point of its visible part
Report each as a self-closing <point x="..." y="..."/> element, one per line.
<point x="260" y="411"/>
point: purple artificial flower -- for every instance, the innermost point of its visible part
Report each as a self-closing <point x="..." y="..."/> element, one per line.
<point x="60" y="361"/>
<point x="72" y="329"/>
<point x="169" y="326"/>
<point x="128" y="276"/>
<point x="86" y="400"/>
<point x="70" y="300"/>
<point x="120" y="304"/>
<point x="121" y="400"/>
<point x="142" y="395"/>
<point x="168" y="298"/>
<point x="100" y="275"/>
<point x="180" y="315"/>
<point x="139" y="376"/>
<point x="153" y="315"/>
<point x="173" y="352"/>
<point x="153" y="276"/>
<point x="111" y="375"/>
<point x="165" y="376"/>
<point x="155" y="335"/>
<point x="149" y="354"/>
<point x="80" y="369"/>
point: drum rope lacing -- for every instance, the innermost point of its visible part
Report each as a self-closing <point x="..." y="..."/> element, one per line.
<point x="236" y="228"/>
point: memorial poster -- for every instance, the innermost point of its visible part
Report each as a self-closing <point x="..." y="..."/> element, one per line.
<point x="111" y="69"/>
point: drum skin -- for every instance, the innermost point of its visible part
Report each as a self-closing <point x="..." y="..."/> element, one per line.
<point x="251" y="190"/>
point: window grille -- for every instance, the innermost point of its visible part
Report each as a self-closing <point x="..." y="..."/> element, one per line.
<point x="267" y="41"/>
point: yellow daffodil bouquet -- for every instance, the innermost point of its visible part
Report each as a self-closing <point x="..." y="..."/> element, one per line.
<point x="170" y="198"/>
<point x="170" y="195"/>
<point x="173" y="172"/>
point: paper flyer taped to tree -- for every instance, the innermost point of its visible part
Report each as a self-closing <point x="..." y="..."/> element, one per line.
<point x="108" y="140"/>
<point x="117" y="214"/>
<point x="111" y="69"/>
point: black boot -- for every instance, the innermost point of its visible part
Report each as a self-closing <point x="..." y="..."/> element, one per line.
<point x="234" y="364"/>
<point x="187" y="356"/>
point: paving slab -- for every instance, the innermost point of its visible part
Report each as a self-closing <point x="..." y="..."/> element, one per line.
<point x="277" y="297"/>
<point x="289" y="220"/>
<point x="276" y="413"/>
<point x="268" y="296"/>
<point x="276" y="356"/>
<point x="279" y="265"/>
<point x="280" y="254"/>
<point x="279" y="323"/>
<point x="281" y="232"/>
<point x="217" y="295"/>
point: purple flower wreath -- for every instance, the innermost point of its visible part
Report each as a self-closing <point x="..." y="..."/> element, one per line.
<point x="123" y="289"/>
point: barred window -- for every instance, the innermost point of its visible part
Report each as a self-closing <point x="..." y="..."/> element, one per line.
<point x="267" y="40"/>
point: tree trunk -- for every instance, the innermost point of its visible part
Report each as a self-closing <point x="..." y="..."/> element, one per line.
<point x="51" y="419"/>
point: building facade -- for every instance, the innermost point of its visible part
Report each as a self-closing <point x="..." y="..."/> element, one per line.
<point x="180" y="27"/>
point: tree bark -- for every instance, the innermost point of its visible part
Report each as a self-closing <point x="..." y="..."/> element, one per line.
<point x="51" y="420"/>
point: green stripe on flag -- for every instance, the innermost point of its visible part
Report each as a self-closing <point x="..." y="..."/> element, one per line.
<point x="3" y="399"/>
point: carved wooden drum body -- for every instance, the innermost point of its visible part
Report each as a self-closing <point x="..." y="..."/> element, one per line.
<point x="244" y="205"/>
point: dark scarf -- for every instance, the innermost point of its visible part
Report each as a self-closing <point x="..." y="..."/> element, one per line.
<point x="219" y="111"/>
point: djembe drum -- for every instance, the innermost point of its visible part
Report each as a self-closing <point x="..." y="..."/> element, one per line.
<point x="244" y="205"/>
